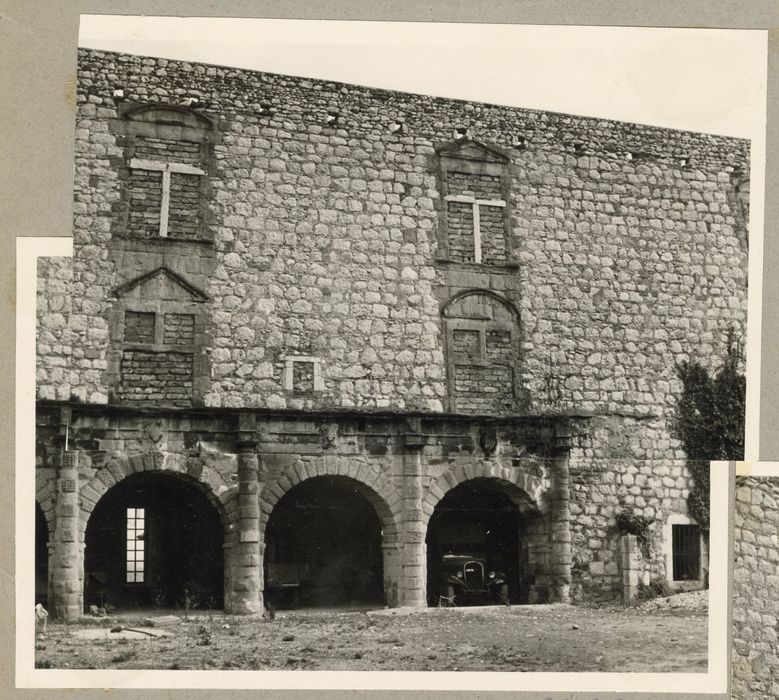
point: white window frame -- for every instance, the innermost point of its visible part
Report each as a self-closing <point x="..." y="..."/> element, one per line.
<point x="139" y="545"/>
<point x="289" y="361"/>
<point x="475" y="203"/>
<point x="166" y="169"/>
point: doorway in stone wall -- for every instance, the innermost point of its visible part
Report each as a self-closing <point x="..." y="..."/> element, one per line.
<point x="323" y="546"/>
<point x="154" y="541"/>
<point x="477" y="524"/>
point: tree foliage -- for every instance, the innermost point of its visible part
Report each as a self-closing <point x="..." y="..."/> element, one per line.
<point x="709" y="420"/>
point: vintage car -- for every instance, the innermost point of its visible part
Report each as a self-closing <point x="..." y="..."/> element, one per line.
<point x="467" y="578"/>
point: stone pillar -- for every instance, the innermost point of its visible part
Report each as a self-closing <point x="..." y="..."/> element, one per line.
<point x="413" y="563"/>
<point x="246" y="554"/>
<point x="560" y="553"/>
<point x="66" y="564"/>
<point x="391" y="560"/>
<point x="628" y="551"/>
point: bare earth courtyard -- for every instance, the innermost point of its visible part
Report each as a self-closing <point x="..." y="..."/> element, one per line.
<point x="666" y="635"/>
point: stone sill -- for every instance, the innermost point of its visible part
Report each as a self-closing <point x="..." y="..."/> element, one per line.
<point x="478" y="267"/>
<point x="164" y="240"/>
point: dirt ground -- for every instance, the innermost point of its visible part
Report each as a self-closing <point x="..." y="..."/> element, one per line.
<point x="667" y="638"/>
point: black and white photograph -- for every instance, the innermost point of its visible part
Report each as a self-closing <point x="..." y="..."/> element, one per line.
<point x="755" y="582"/>
<point x="396" y="347"/>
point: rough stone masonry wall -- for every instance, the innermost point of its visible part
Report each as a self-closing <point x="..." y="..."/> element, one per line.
<point x="756" y="589"/>
<point x="625" y="465"/>
<point x="630" y="249"/>
<point x="631" y="257"/>
<point x="55" y="362"/>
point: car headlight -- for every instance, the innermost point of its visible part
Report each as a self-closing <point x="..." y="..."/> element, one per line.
<point x="459" y="574"/>
<point x="492" y="574"/>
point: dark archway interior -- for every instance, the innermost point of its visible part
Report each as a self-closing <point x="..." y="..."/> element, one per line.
<point x="478" y="520"/>
<point x="323" y="546"/>
<point x="41" y="557"/>
<point x="154" y="541"/>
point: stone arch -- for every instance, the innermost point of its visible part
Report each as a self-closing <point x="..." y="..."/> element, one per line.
<point x="197" y="484"/>
<point x="501" y="513"/>
<point x="47" y="508"/>
<point x="377" y="489"/>
<point x="120" y="466"/>
<point x="450" y="308"/>
<point x="169" y="114"/>
<point x="526" y="490"/>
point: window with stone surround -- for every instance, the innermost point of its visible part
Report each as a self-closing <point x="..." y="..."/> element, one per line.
<point x="474" y="223"/>
<point x="482" y="356"/>
<point x="167" y="152"/>
<point x="686" y="552"/>
<point x="684" y="549"/>
<point x="302" y="374"/>
<point x="163" y="199"/>
<point x="157" y="364"/>
<point x="156" y="355"/>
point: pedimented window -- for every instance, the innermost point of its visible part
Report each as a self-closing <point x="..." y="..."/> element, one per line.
<point x="475" y="222"/>
<point x="157" y="355"/>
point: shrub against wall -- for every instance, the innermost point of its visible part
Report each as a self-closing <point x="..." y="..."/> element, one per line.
<point x="710" y="420"/>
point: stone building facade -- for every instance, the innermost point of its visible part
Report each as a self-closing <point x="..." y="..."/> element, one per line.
<point x="756" y="589"/>
<point x="279" y="281"/>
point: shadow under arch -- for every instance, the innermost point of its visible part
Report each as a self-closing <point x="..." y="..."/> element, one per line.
<point x="155" y="539"/>
<point x="44" y="533"/>
<point x="485" y="518"/>
<point x="329" y="539"/>
<point x="121" y="467"/>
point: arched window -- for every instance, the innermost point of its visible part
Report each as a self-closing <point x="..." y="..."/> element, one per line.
<point x="482" y="352"/>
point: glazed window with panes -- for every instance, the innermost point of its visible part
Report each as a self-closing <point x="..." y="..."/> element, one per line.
<point x="136" y="551"/>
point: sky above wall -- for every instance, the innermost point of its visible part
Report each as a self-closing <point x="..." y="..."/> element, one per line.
<point x="712" y="81"/>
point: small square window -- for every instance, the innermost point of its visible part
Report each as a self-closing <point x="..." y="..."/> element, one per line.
<point x="467" y="342"/>
<point x="302" y="377"/>
<point x="139" y="327"/>
<point x="302" y="374"/>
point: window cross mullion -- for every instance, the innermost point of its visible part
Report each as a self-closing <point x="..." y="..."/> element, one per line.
<point x="165" y="203"/>
<point x="476" y="233"/>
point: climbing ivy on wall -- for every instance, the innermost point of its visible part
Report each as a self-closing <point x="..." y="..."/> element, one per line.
<point x="709" y="419"/>
<point x="638" y="525"/>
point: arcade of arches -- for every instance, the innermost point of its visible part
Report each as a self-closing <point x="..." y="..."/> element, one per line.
<point x="238" y="529"/>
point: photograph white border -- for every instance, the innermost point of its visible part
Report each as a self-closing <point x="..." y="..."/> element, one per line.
<point x="719" y="663"/>
<point x="690" y="79"/>
<point x="27" y="676"/>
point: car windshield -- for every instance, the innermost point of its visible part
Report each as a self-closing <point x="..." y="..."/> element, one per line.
<point x="469" y="549"/>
